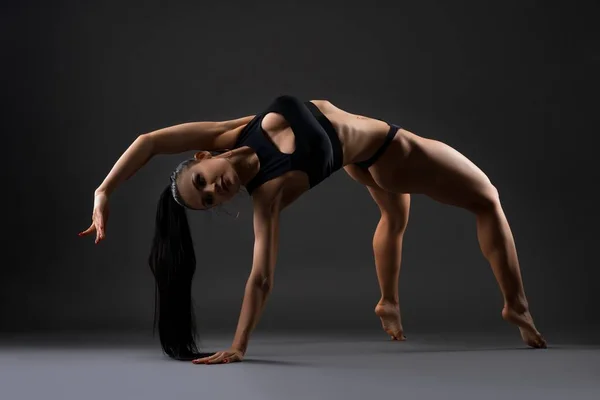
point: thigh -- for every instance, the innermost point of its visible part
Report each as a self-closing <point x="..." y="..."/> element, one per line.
<point x="394" y="206"/>
<point x="447" y="176"/>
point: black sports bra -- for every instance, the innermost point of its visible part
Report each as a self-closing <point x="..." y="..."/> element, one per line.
<point x="318" y="149"/>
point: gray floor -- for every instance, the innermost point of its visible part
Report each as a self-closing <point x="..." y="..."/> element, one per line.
<point x="301" y="366"/>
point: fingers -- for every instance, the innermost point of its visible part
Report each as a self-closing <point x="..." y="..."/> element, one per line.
<point x="99" y="217"/>
<point x="100" y="234"/>
<point x="206" y="360"/>
<point x="89" y="230"/>
<point x="217" y="358"/>
<point x="97" y="227"/>
<point x="225" y="358"/>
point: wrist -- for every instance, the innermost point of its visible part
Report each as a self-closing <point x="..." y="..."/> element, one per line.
<point x="240" y="345"/>
<point x="101" y="190"/>
<point x="241" y="349"/>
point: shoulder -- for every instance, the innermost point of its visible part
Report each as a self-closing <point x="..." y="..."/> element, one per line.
<point x="228" y="131"/>
<point x="322" y="104"/>
<point x="267" y="197"/>
<point x="229" y="137"/>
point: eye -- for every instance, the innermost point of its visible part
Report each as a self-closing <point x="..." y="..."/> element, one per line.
<point x="200" y="181"/>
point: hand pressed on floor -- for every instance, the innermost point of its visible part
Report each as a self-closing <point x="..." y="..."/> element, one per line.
<point x="222" y="357"/>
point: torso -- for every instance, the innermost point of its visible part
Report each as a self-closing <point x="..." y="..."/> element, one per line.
<point x="359" y="136"/>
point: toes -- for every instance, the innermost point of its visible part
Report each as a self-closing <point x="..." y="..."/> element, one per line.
<point x="396" y="336"/>
<point x="537" y="342"/>
<point x="542" y="343"/>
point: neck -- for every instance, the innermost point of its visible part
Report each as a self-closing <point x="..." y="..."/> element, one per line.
<point x="244" y="161"/>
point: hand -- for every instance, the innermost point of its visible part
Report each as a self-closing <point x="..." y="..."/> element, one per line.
<point x="99" y="217"/>
<point x="227" y="356"/>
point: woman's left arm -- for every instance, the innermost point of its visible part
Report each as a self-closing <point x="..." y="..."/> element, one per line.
<point x="259" y="285"/>
<point x="260" y="281"/>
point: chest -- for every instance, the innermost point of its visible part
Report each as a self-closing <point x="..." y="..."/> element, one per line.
<point x="296" y="144"/>
<point x="278" y="131"/>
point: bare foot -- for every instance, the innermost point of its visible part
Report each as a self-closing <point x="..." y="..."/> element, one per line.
<point x="523" y="320"/>
<point x="390" y="319"/>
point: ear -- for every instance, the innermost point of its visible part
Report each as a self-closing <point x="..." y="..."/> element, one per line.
<point x="201" y="155"/>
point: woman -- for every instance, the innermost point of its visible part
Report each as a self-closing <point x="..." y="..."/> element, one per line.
<point x="279" y="154"/>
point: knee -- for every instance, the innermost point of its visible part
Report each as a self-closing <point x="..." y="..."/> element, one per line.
<point x="488" y="200"/>
<point x="393" y="223"/>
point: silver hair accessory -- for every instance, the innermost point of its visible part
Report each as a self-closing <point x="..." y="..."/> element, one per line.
<point x="174" y="174"/>
<point x="175" y="193"/>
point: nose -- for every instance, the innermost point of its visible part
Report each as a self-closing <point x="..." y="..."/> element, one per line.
<point x="215" y="189"/>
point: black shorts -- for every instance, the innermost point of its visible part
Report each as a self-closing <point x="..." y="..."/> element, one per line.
<point x="388" y="139"/>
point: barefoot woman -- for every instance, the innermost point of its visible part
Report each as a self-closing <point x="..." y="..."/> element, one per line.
<point x="279" y="154"/>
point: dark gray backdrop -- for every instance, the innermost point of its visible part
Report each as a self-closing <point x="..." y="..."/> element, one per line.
<point x="511" y="85"/>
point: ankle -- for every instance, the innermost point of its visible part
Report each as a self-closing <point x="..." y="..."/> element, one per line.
<point x="517" y="305"/>
<point x="385" y="301"/>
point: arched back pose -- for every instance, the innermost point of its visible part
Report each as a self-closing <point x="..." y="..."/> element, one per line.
<point x="279" y="154"/>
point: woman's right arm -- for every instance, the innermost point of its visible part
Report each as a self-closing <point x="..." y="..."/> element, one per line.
<point x="173" y="139"/>
<point x="204" y="135"/>
<point x="138" y="154"/>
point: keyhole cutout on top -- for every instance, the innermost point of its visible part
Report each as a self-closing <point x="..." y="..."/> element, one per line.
<point x="276" y="129"/>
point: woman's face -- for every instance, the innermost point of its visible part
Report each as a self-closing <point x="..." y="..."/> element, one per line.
<point x="208" y="183"/>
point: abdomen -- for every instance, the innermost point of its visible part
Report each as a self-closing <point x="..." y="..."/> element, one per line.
<point x="360" y="135"/>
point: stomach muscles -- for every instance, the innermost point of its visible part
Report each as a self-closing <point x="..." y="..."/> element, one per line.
<point x="360" y="135"/>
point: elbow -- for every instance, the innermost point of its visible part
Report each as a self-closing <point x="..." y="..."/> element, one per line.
<point x="265" y="284"/>
<point x="146" y="141"/>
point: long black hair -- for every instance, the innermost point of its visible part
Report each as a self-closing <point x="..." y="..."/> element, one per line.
<point x="172" y="261"/>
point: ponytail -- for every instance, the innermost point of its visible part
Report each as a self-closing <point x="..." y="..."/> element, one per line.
<point x="173" y="263"/>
